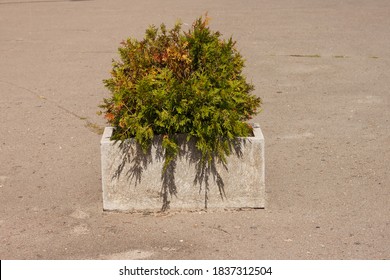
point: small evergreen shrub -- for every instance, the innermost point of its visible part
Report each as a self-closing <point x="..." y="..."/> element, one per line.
<point x="174" y="82"/>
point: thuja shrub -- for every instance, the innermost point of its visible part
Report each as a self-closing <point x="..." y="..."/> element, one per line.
<point x="174" y="82"/>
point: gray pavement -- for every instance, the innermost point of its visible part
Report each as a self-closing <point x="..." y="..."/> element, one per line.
<point x="322" y="69"/>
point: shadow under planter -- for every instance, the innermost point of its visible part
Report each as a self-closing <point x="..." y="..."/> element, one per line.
<point x="133" y="181"/>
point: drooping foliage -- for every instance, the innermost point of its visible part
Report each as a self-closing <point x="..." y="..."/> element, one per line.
<point x="174" y="82"/>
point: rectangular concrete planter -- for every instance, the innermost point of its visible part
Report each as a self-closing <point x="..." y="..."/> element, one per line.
<point x="132" y="182"/>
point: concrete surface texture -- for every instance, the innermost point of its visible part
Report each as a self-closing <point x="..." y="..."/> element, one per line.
<point x="322" y="69"/>
<point x="133" y="180"/>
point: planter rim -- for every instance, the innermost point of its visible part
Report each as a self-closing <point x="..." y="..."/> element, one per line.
<point x="258" y="134"/>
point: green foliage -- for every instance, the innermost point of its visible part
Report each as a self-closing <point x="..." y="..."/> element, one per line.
<point x="175" y="82"/>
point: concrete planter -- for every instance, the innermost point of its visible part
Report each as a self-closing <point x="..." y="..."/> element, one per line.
<point x="132" y="181"/>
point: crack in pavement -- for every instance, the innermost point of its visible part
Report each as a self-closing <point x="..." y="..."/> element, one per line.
<point x="93" y="127"/>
